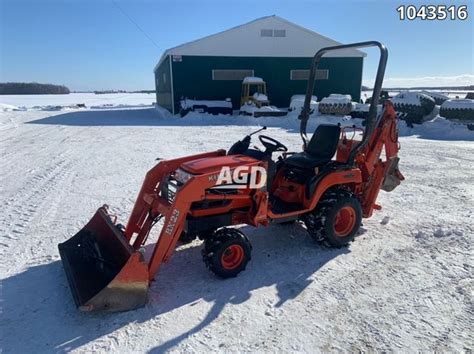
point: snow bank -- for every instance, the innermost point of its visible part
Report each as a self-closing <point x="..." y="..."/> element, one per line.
<point x="297" y="103"/>
<point x="7" y="107"/>
<point x="252" y="108"/>
<point x="438" y="128"/>
<point x="163" y="113"/>
<point x="91" y="100"/>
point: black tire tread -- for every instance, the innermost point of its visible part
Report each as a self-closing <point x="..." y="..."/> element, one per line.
<point x="315" y="220"/>
<point x="220" y="239"/>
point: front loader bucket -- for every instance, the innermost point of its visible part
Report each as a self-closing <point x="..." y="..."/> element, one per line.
<point x="104" y="272"/>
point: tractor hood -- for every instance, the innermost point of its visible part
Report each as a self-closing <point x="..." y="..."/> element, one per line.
<point x="214" y="164"/>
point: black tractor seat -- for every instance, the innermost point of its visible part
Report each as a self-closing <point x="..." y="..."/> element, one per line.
<point x="320" y="150"/>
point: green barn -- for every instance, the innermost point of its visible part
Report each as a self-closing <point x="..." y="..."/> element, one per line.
<point x="280" y="52"/>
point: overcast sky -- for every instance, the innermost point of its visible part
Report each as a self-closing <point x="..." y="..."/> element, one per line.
<point x="114" y="44"/>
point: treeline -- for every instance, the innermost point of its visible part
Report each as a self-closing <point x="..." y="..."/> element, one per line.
<point x="452" y="88"/>
<point x="144" y="91"/>
<point x="460" y="88"/>
<point x="103" y="92"/>
<point x="122" y="91"/>
<point x="31" y="88"/>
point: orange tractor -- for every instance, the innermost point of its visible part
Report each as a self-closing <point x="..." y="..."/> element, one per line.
<point x="330" y="186"/>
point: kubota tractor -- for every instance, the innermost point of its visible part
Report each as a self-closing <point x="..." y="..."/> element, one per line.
<point x="329" y="186"/>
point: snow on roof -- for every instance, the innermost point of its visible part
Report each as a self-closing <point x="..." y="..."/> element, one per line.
<point x="248" y="39"/>
<point x="253" y="80"/>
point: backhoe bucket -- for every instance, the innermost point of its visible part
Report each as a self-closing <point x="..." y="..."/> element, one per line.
<point x="104" y="272"/>
<point x="393" y="177"/>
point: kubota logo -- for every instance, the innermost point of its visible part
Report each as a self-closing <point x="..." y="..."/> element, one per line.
<point x="253" y="177"/>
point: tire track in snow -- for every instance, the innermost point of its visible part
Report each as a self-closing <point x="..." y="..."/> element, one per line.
<point x="35" y="199"/>
<point x="406" y="297"/>
<point x="19" y="145"/>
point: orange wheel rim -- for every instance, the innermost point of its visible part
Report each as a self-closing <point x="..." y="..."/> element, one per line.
<point x="232" y="257"/>
<point x="345" y="221"/>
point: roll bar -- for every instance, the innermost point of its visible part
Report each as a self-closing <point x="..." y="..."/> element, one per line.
<point x="370" y="121"/>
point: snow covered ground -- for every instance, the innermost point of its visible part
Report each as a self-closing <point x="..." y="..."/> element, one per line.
<point x="91" y="100"/>
<point x="405" y="284"/>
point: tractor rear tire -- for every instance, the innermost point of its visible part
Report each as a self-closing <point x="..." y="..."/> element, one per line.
<point x="336" y="219"/>
<point x="227" y="252"/>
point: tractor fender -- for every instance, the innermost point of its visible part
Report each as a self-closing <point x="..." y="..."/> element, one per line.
<point x="318" y="185"/>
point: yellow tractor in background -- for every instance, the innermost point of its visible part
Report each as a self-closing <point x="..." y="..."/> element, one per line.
<point x="254" y="89"/>
<point x="254" y="100"/>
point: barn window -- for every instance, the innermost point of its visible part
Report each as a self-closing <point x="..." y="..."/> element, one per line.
<point x="304" y="74"/>
<point x="279" y="33"/>
<point x="238" y="75"/>
<point x="272" y="33"/>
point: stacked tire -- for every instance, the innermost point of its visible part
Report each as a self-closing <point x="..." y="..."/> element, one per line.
<point x="461" y="110"/>
<point x="336" y="104"/>
<point x="413" y="106"/>
<point x="439" y="98"/>
<point x="360" y="110"/>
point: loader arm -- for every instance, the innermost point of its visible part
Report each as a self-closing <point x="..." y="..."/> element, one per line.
<point x="104" y="265"/>
<point x="146" y="196"/>
<point x="150" y="206"/>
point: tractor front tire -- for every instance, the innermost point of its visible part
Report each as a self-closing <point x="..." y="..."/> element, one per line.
<point x="336" y="219"/>
<point x="227" y="252"/>
<point x="186" y="238"/>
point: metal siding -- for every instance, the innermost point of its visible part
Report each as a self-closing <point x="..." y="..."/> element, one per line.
<point x="192" y="77"/>
<point x="163" y="89"/>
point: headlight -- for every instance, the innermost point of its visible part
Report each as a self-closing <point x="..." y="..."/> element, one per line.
<point x="182" y="176"/>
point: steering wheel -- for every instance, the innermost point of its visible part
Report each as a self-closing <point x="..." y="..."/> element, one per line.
<point x="271" y="144"/>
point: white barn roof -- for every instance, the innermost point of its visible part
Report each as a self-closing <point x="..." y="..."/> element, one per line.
<point x="270" y="36"/>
